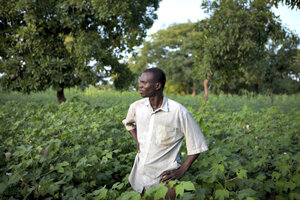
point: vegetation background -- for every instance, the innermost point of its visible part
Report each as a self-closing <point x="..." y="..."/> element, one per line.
<point x="237" y="72"/>
<point x="80" y="149"/>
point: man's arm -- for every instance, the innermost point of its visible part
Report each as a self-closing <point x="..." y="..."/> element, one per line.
<point x="177" y="174"/>
<point x="195" y="143"/>
<point x="134" y="135"/>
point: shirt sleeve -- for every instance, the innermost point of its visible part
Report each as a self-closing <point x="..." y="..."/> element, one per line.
<point x="195" y="141"/>
<point x="130" y="122"/>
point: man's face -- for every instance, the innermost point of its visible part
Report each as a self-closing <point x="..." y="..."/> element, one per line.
<point x="148" y="85"/>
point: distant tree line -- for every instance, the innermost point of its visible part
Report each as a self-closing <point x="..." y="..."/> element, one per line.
<point x="241" y="46"/>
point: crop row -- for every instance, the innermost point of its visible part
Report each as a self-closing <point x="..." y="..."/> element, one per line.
<point x="79" y="151"/>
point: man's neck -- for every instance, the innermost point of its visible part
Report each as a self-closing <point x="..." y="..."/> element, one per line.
<point x="156" y="101"/>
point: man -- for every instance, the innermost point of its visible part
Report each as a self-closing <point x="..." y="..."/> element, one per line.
<point x="158" y="126"/>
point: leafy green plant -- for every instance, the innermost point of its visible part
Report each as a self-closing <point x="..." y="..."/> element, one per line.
<point x="80" y="150"/>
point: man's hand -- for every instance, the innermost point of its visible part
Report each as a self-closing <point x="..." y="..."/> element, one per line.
<point x="175" y="174"/>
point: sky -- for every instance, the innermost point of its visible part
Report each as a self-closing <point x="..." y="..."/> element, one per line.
<point x="181" y="11"/>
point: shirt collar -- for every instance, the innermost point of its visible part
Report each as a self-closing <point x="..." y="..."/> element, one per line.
<point x="164" y="106"/>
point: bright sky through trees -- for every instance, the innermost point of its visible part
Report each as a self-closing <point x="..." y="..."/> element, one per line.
<point x="179" y="11"/>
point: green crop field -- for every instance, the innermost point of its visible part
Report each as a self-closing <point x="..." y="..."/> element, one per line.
<point x="80" y="149"/>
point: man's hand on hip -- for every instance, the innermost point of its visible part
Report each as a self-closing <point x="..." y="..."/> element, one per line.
<point x="175" y="174"/>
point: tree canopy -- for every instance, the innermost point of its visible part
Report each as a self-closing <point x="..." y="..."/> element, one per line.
<point x="235" y="39"/>
<point x="62" y="44"/>
<point x="242" y="45"/>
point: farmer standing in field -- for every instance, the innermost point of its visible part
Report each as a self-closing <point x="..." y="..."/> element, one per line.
<point x="158" y="126"/>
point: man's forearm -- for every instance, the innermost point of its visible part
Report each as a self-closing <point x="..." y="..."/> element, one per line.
<point x="188" y="162"/>
<point x="134" y="135"/>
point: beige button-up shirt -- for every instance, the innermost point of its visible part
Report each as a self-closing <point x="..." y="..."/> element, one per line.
<point x="160" y="134"/>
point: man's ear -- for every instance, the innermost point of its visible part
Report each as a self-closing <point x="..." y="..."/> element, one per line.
<point x="158" y="86"/>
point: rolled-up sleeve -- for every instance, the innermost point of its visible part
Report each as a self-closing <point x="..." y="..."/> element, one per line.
<point x="195" y="141"/>
<point x="130" y="121"/>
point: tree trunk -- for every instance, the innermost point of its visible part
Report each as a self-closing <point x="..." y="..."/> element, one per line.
<point x="194" y="93"/>
<point x="271" y="96"/>
<point x="61" y="96"/>
<point x="205" y="82"/>
<point x="195" y="85"/>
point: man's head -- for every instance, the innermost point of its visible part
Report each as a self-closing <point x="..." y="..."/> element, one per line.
<point x="152" y="81"/>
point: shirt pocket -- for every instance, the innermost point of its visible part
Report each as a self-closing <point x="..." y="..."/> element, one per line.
<point x="166" y="136"/>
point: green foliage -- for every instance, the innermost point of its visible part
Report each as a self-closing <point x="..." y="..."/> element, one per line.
<point x="156" y="193"/>
<point x="278" y="68"/>
<point x="64" y="151"/>
<point x="80" y="149"/>
<point x="181" y="187"/>
<point x="61" y="44"/>
<point x="251" y="160"/>
<point x="291" y="3"/>
<point x="241" y="46"/>
<point x="221" y="194"/>
<point x="242" y="42"/>
<point x="234" y="38"/>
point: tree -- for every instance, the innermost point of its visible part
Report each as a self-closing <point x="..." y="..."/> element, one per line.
<point x="278" y="63"/>
<point x="234" y="39"/>
<point x="171" y="50"/>
<point x="62" y="44"/>
<point x="295" y="68"/>
<point x="291" y="3"/>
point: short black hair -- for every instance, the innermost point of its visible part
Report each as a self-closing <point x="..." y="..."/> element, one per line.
<point x="159" y="75"/>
